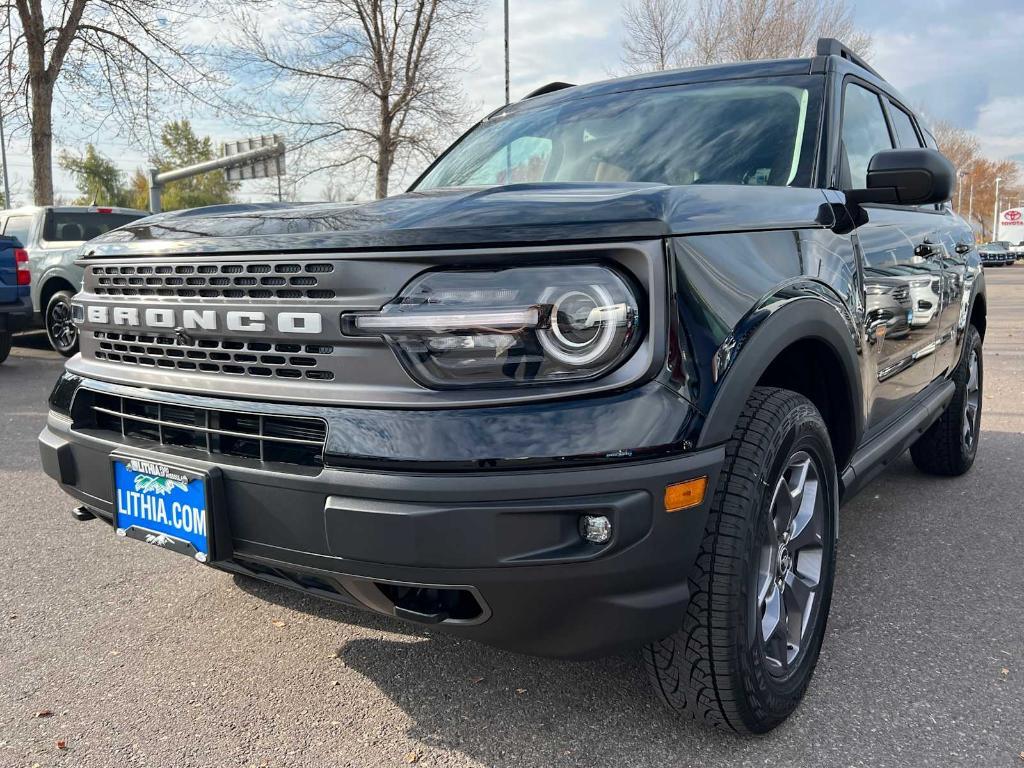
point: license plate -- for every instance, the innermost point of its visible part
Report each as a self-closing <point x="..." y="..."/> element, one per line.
<point x="162" y="505"/>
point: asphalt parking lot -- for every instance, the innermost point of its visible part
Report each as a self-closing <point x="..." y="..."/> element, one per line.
<point x="144" y="658"/>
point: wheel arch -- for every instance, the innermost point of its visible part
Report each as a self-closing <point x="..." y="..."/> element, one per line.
<point x="979" y="313"/>
<point x="808" y="345"/>
<point x="50" y="285"/>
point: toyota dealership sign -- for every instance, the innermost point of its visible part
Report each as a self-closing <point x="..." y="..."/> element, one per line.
<point x="1011" y="225"/>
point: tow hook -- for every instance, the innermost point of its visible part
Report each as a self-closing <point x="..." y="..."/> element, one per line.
<point x="81" y="514"/>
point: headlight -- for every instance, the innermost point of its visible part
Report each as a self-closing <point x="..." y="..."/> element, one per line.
<point x="877" y="290"/>
<point x="523" y="325"/>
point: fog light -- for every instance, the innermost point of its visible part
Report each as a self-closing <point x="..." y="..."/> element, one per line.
<point x="597" y="529"/>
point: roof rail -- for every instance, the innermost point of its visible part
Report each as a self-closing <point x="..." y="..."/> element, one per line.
<point x="829" y="46"/>
<point x="549" y="88"/>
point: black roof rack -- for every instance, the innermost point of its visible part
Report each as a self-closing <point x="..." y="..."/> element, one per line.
<point x="829" y="46"/>
<point x="549" y="88"/>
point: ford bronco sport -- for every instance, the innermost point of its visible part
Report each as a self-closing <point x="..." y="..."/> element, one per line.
<point x="599" y="380"/>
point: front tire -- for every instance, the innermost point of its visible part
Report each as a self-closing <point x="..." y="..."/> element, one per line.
<point x="5" y="345"/>
<point x="762" y="584"/>
<point x="60" y="327"/>
<point x="950" y="445"/>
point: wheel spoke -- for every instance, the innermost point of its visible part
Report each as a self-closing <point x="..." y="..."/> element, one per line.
<point x="775" y="628"/>
<point x="799" y="598"/>
<point x="807" y="525"/>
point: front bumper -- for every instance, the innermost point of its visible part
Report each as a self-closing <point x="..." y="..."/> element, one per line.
<point x="501" y="547"/>
<point x="16" y="316"/>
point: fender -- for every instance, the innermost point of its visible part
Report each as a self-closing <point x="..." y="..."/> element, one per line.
<point x="59" y="272"/>
<point x="764" y="334"/>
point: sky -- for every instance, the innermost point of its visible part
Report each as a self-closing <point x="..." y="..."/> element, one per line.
<point x="955" y="60"/>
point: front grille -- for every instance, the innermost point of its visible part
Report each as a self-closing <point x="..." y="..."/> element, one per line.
<point x="214" y="281"/>
<point x="239" y="358"/>
<point x="278" y="439"/>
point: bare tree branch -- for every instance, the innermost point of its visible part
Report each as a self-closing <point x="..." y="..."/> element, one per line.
<point x="118" y="61"/>
<point x="661" y="34"/>
<point x="370" y="82"/>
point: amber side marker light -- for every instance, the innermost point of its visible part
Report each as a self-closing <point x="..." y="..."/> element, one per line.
<point x="685" y="495"/>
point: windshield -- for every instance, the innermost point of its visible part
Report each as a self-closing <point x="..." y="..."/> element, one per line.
<point x="75" y="226"/>
<point x="754" y="132"/>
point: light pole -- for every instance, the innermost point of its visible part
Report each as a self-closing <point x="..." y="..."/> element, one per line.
<point x="995" y="212"/>
<point x="960" y="194"/>
<point x="970" y="206"/>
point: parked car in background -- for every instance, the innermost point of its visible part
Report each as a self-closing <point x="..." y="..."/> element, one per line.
<point x="51" y="236"/>
<point x="1017" y="250"/>
<point x="15" y="303"/>
<point x="995" y="255"/>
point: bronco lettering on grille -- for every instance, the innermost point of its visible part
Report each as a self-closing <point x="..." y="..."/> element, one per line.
<point x="241" y="321"/>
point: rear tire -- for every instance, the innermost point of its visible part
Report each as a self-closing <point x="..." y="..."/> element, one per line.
<point x="950" y="445"/>
<point x="5" y="346"/>
<point x="60" y="328"/>
<point x="765" y="569"/>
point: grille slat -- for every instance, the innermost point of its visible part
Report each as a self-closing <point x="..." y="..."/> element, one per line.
<point x="276" y="439"/>
<point x="213" y="356"/>
<point x="210" y="281"/>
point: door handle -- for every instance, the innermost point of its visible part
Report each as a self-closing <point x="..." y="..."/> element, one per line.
<point x="962" y="248"/>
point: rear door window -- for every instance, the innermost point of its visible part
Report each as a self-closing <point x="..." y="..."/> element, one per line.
<point x="19" y="227"/>
<point x="76" y="226"/>
<point x="864" y="132"/>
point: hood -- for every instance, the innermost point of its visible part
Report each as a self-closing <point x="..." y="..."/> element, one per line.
<point x="509" y="215"/>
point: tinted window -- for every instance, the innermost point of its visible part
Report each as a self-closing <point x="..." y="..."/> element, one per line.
<point x="755" y="133"/>
<point x="906" y="137"/>
<point x="864" y="132"/>
<point x="75" y="226"/>
<point x="19" y="227"/>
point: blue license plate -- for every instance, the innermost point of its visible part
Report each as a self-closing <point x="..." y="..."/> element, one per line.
<point x="162" y="505"/>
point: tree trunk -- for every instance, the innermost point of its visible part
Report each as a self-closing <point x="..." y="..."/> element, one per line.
<point x="384" y="161"/>
<point x="42" y="143"/>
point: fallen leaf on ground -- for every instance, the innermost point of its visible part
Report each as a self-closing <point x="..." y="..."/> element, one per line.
<point x="1004" y="673"/>
<point x="278" y="623"/>
<point x="61" y="744"/>
<point x="44" y="713"/>
<point x="476" y="680"/>
<point x="412" y="757"/>
<point x="520" y="691"/>
<point x="334" y="655"/>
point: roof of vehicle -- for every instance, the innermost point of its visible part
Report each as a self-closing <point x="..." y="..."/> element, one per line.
<point x="832" y="56"/>
<point x="735" y="71"/>
<point x="73" y="209"/>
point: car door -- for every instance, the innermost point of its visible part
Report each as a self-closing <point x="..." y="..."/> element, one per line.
<point x="958" y="247"/>
<point x="899" y="247"/>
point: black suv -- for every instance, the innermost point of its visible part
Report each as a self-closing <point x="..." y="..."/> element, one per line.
<point x="599" y="380"/>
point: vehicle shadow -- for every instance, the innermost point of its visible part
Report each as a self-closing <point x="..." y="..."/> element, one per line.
<point x="505" y="710"/>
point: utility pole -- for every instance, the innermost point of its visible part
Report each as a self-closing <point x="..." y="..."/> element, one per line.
<point x="3" y="162"/>
<point x="960" y="194"/>
<point x="995" y="212"/>
<point x="508" y="98"/>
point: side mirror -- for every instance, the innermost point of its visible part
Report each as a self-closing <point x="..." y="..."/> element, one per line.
<point x="907" y="177"/>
